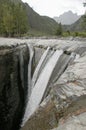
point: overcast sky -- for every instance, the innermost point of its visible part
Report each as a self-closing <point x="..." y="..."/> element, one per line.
<point x="53" y="8"/>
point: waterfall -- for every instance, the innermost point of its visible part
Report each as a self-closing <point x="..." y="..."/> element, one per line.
<point x="60" y="67"/>
<point x="41" y="83"/>
<point x="46" y="55"/>
<point x="50" y="67"/>
<point x="31" y="51"/>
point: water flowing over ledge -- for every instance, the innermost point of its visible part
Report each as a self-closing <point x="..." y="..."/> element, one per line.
<point x="41" y="84"/>
<point x="52" y="70"/>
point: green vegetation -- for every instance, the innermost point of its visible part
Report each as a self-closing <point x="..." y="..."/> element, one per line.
<point x="36" y="33"/>
<point x="76" y="29"/>
<point x="42" y="24"/>
<point x="59" y="30"/>
<point x="84" y="22"/>
<point x="13" y="18"/>
<point x="74" y="34"/>
<point x="19" y="19"/>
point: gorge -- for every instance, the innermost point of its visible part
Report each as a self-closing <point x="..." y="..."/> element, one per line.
<point x="43" y="84"/>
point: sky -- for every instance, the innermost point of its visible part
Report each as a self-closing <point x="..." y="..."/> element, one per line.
<point x="53" y="8"/>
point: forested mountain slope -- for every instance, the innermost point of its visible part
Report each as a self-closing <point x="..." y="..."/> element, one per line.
<point x="17" y="18"/>
<point x="78" y="26"/>
<point x="40" y="23"/>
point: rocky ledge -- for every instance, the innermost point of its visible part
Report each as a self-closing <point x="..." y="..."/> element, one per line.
<point x="64" y="106"/>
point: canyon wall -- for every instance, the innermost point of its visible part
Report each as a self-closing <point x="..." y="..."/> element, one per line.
<point x="13" y="85"/>
<point x="63" y="104"/>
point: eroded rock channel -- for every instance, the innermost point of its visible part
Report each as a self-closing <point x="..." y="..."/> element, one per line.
<point x="42" y="84"/>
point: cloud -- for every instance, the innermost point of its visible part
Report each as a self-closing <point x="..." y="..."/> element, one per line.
<point x="56" y="7"/>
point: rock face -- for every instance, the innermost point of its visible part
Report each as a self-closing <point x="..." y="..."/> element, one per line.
<point x="74" y="123"/>
<point x="67" y="18"/>
<point x="13" y="85"/>
<point x="64" y="106"/>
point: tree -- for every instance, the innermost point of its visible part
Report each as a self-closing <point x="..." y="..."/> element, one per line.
<point x="59" y="30"/>
<point x="13" y="18"/>
<point x="7" y="20"/>
<point x="20" y="19"/>
<point x="1" y="12"/>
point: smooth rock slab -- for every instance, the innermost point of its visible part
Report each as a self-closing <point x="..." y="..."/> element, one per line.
<point x="44" y="118"/>
<point x="74" y="123"/>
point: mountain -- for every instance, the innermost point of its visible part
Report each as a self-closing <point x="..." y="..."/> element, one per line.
<point x="18" y="18"/>
<point x="67" y="18"/>
<point x="16" y="1"/>
<point x="40" y="23"/>
<point x="78" y="26"/>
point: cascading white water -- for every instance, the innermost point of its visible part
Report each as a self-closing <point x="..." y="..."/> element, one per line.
<point x="60" y="67"/>
<point x="29" y="69"/>
<point x="45" y="57"/>
<point x="36" y="72"/>
<point x="41" y="84"/>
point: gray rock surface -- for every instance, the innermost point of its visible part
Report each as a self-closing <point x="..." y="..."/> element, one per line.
<point x="74" y="123"/>
<point x="63" y="105"/>
<point x="67" y="94"/>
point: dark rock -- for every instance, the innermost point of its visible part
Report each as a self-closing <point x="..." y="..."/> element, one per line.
<point x="13" y="85"/>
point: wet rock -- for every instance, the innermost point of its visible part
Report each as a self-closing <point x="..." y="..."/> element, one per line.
<point x="38" y="53"/>
<point x="13" y="85"/>
<point x="74" y="123"/>
<point x="65" y="105"/>
<point x="68" y="94"/>
<point x="44" y="118"/>
<point x="41" y="84"/>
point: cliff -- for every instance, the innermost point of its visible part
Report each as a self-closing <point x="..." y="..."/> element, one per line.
<point x="13" y="84"/>
<point x="25" y="66"/>
<point x="64" y="104"/>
